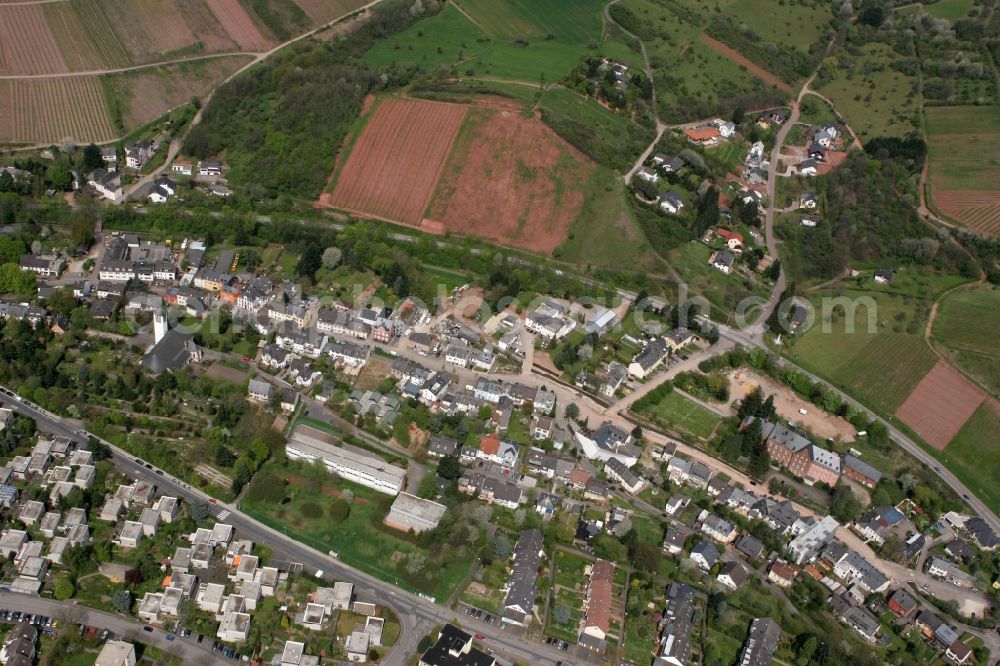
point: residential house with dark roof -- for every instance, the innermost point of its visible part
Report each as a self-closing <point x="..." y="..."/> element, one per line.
<point x="454" y="648"/>
<point x="674" y="648"/>
<point x="761" y="644"/>
<point x="519" y="603"/>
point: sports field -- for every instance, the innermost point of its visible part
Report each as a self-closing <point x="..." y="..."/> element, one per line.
<point x="677" y="412"/>
<point x="963" y="184"/>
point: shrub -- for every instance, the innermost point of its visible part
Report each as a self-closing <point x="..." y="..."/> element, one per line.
<point x="340" y="510"/>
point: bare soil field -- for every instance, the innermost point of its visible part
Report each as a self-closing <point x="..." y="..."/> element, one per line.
<point x="163" y="23"/>
<point x="226" y="374"/>
<point x="205" y="26"/>
<point x="27" y="45"/>
<point x="743" y="61"/>
<point x="70" y="33"/>
<point x="979" y="210"/>
<point x="147" y="94"/>
<point x="49" y="110"/>
<point x="324" y="11"/>
<point x="394" y="166"/>
<point x="512" y="180"/>
<point x="238" y="25"/>
<point x="940" y="405"/>
<point x="788" y="404"/>
<point x="963" y="184"/>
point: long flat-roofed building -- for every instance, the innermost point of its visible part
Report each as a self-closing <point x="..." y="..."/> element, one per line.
<point x="367" y="469"/>
<point x="413" y="513"/>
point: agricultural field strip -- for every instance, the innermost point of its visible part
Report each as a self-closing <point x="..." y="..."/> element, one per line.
<point x="393" y="169"/>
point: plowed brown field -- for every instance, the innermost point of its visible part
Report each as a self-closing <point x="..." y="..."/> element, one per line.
<point x="940" y="405"/>
<point x="510" y="179"/>
<point x="49" y="110"/>
<point x="239" y="25"/>
<point x="393" y="169"/>
<point x="977" y="210"/>
<point x="27" y="45"/>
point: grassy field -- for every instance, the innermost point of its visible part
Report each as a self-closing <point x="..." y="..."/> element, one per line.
<point x="965" y="326"/>
<point x="880" y="365"/>
<point x="361" y="539"/>
<point x="685" y="69"/>
<point x="568" y="579"/>
<point x="962" y="184"/>
<point x="677" y="412"/>
<point x="815" y="111"/>
<point x="951" y="10"/>
<point x="958" y="136"/>
<point x="879" y="103"/>
<point x="972" y="455"/>
<point x="514" y="40"/>
<point x="797" y="24"/>
<point x="722" y="291"/>
<point x="606" y="234"/>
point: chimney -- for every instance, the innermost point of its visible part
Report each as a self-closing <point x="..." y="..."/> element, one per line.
<point x="159" y="326"/>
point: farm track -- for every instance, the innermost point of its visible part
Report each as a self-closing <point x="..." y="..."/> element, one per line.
<point x="132" y="68"/>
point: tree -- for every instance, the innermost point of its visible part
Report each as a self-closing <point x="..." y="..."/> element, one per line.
<point x="331" y="257"/>
<point x="572" y="410"/>
<point x="60" y="177"/>
<point x="122" y="600"/>
<point x="561" y="614"/>
<point x="309" y="262"/>
<point x="449" y="468"/>
<point x="805" y="647"/>
<point x="415" y="563"/>
<point x="501" y="546"/>
<point x="200" y="511"/>
<point x="63" y="588"/>
<point x="92" y="158"/>
<point x="844" y="506"/>
<point x="81" y="231"/>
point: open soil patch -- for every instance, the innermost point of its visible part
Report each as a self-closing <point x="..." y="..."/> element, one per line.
<point x="940" y="405"/>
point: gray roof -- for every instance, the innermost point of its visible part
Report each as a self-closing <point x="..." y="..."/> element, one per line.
<point x="524" y="572"/>
<point x="172" y="352"/>
<point x="762" y="642"/>
<point x="651" y="354"/>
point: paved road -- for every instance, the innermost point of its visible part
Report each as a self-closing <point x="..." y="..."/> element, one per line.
<point x="131" y="629"/>
<point x="417" y="616"/>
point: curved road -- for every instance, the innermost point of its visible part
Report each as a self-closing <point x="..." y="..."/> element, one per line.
<point x="68" y="612"/>
<point x="417" y="615"/>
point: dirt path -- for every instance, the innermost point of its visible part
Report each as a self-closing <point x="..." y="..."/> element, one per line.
<point x="742" y="60"/>
<point x="130" y="68"/>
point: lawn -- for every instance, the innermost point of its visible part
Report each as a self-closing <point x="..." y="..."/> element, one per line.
<point x="724" y="292"/>
<point x="606" y="233"/>
<point x="951" y="10"/>
<point x="515" y="40"/>
<point x="611" y="138"/>
<point x="881" y="359"/>
<point x="677" y="412"/>
<point x="361" y="539"/>
<point x="815" y="111"/>
<point x="972" y="455"/>
<point x="799" y="25"/>
<point x="966" y="325"/>
<point x="690" y="76"/>
<point x="880" y="102"/>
